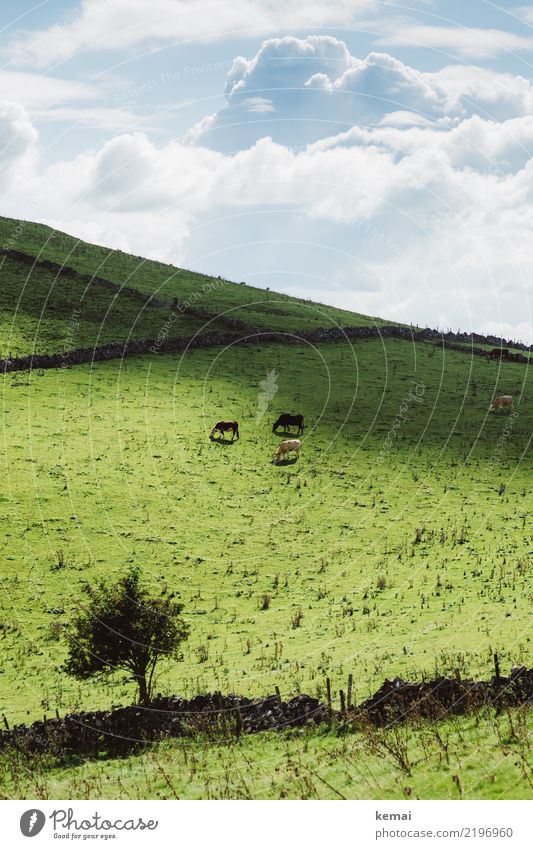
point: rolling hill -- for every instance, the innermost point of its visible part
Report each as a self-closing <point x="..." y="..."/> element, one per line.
<point x="399" y="544"/>
<point x="53" y="283"/>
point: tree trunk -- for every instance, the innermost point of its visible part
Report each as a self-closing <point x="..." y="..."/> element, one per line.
<point x="143" y="689"/>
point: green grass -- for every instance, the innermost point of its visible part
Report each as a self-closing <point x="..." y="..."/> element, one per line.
<point x="44" y="313"/>
<point x="399" y="543"/>
<point x="402" y="560"/>
<point x="257" y="307"/>
<point x="480" y="757"/>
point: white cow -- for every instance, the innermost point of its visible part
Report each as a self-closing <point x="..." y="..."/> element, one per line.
<point x="286" y="447"/>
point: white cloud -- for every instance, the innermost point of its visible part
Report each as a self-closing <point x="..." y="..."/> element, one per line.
<point x="437" y="232"/>
<point x="18" y="143"/>
<point x="258" y="104"/>
<point x="430" y="211"/>
<point x="127" y="24"/>
<point x="53" y="99"/>
<point x="521" y="331"/>
<point x="481" y="145"/>
<point x="492" y="94"/>
<point x="315" y="88"/>
<point x="38" y="90"/>
<point x="467" y="42"/>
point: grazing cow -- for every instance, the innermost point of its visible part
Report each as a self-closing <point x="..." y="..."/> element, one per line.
<point x="285" y="447"/>
<point x="222" y="427"/>
<point x="286" y="420"/>
<point x="499" y="354"/>
<point x="502" y="401"/>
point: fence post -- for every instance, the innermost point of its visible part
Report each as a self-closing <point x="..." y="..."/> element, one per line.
<point x="343" y="702"/>
<point x="350" y="687"/>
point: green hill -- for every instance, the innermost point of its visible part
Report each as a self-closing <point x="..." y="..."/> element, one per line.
<point x="43" y="311"/>
<point x="52" y="308"/>
<point x="399" y="543"/>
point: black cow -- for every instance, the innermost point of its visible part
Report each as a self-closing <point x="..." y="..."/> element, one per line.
<point x="287" y="420"/>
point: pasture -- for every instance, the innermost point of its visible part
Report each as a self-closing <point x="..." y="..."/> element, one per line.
<point x="398" y="544"/>
<point x="479" y="757"/>
<point x="220" y="298"/>
<point x="42" y="312"/>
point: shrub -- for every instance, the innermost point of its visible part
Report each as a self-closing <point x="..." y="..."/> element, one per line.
<point x="121" y="627"/>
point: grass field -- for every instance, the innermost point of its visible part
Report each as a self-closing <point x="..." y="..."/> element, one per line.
<point x="400" y="558"/>
<point x="44" y="313"/>
<point x="399" y="544"/>
<point x="481" y="757"/>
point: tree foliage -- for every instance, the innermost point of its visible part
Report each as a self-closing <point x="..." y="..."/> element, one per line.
<point x="121" y="627"/>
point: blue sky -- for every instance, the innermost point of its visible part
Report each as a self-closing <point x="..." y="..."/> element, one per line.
<point x="375" y="155"/>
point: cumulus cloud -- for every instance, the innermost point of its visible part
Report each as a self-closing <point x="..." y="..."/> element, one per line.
<point x="413" y="197"/>
<point x="437" y="229"/>
<point x="496" y="95"/>
<point x="315" y="88"/>
<point x="18" y="143"/>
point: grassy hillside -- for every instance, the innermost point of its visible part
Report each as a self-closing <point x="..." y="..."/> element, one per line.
<point x="216" y="296"/>
<point x="481" y="757"/>
<point x="393" y="555"/>
<point x="399" y="543"/>
<point x="41" y="312"/>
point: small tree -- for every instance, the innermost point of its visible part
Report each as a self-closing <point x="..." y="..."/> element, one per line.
<point x="121" y="627"/>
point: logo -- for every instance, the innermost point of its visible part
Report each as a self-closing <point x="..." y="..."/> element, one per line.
<point x="269" y="389"/>
<point x="32" y="822"/>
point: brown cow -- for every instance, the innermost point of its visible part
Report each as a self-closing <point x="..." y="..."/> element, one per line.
<point x="501" y="401"/>
<point x="222" y="427"/>
<point x="499" y="354"/>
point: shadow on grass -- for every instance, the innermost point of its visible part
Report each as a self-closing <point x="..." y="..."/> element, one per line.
<point x="287" y="433"/>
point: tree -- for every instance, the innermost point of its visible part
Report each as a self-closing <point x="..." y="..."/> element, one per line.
<point x="121" y="627"/>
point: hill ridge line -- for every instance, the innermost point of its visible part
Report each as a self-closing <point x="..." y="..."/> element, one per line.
<point x="171" y="345"/>
<point x="67" y="270"/>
